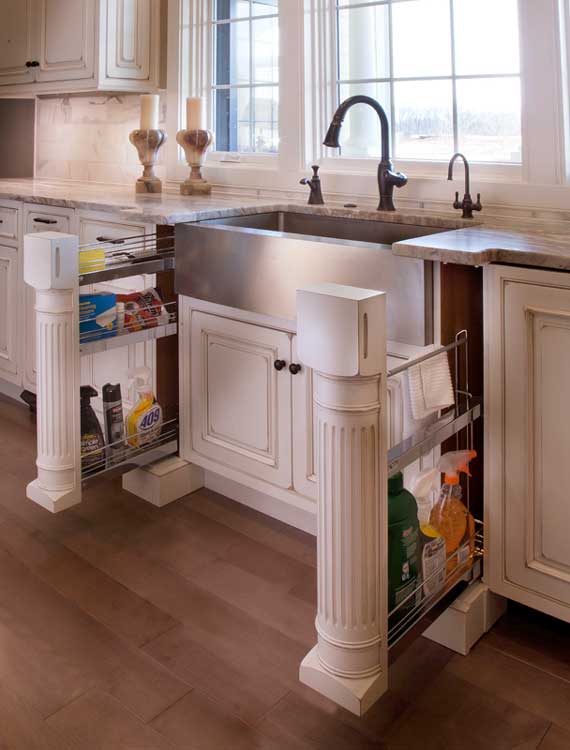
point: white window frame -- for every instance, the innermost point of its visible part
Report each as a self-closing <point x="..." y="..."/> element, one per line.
<point x="308" y="99"/>
<point x="541" y="84"/>
<point x="196" y="79"/>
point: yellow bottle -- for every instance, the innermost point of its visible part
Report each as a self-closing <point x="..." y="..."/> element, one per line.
<point x="144" y="421"/>
<point x="449" y="516"/>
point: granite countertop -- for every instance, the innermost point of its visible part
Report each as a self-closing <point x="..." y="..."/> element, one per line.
<point x="486" y="239"/>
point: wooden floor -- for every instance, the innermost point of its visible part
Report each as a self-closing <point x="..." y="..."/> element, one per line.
<point x="124" y="627"/>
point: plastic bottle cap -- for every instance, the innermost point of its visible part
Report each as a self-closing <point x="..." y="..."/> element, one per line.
<point x="451" y="479"/>
<point x="396" y="484"/>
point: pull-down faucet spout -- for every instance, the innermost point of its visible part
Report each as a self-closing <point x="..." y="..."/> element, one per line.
<point x="388" y="179"/>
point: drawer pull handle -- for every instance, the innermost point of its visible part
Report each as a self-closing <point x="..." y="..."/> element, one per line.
<point x="1" y="221"/>
<point x="294" y="368"/>
<point x="110" y="240"/>
<point x="280" y="364"/>
<point x="45" y="221"/>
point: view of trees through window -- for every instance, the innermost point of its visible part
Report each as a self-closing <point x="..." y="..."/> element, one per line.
<point x="246" y="80"/>
<point x="446" y="71"/>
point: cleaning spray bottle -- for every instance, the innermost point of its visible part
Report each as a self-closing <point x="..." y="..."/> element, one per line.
<point x="432" y="543"/>
<point x="144" y="421"/>
<point x="92" y="440"/>
<point x="449" y="516"/>
<point x="403" y="531"/>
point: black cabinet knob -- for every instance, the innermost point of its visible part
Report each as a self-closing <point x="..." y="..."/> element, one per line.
<point x="28" y="63"/>
<point x="280" y="364"/>
<point x="294" y="368"/>
<point x="35" y="64"/>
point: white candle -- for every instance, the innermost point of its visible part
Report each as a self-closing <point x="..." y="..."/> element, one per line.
<point x="195" y="113"/>
<point x="149" y="111"/>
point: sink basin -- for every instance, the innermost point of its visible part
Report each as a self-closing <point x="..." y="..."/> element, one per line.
<point x="333" y="227"/>
<point x="257" y="262"/>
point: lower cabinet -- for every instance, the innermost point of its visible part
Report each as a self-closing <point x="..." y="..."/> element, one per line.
<point x="9" y="301"/>
<point x="241" y="396"/>
<point x="528" y="436"/>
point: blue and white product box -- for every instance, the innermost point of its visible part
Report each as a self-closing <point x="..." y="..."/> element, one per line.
<point x="97" y="316"/>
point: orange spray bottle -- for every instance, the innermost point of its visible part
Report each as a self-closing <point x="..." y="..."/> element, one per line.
<point x="449" y="516"/>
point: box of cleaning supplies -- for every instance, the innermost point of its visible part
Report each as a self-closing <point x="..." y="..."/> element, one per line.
<point x="97" y="316"/>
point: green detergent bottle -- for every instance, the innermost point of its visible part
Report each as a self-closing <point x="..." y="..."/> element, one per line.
<point x="403" y="548"/>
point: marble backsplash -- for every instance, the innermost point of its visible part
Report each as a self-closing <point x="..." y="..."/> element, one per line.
<point x="87" y="138"/>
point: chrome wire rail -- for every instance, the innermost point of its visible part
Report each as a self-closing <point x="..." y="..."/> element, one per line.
<point x="118" y="456"/>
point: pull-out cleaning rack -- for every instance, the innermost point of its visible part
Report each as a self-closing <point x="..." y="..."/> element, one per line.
<point x="59" y="268"/>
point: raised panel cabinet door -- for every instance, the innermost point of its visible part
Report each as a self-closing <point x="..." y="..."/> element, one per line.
<point x="537" y="439"/>
<point x="65" y="35"/>
<point x="9" y="319"/>
<point x="132" y="30"/>
<point x="15" y="42"/>
<point x="241" y="404"/>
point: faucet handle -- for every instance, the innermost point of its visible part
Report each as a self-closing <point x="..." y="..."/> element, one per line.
<point x="478" y="206"/>
<point x="316" y="195"/>
<point x="457" y="204"/>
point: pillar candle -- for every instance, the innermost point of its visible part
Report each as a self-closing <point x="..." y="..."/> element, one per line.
<point x="149" y="111"/>
<point x="195" y="113"/>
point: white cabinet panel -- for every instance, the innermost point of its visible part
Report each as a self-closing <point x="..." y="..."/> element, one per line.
<point x="9" y="297"/>
<point x="304" y="430"/>
<point x="16" y="42"/>
<point x="10" y="223"/>
<point x="241" y="405"/>
<point x="528" y="437"/>
<point x="537" y="425"/>
<point x="65" y="39"/>
<point x="129" y="39"/>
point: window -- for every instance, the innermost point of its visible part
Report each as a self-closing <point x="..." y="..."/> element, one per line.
<point x="488" y="77"/>
<point x="245" y="83"/>
<point x="446" y="71"/>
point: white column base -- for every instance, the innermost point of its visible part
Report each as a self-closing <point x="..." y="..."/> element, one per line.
<point x="356" y="695"/>
<point x="471" y="615"/>
<point x="164" y="481"/>
<point x="52" y="500"/>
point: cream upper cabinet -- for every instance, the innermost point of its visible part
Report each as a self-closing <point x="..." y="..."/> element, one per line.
<point x="61" y="46"/>
<point x="527" y="406"/>
<point x="16" y="42"/>
<point x="64" y="39"/>
<point x="129" y="38"/>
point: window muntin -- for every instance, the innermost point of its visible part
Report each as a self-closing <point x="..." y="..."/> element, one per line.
<point x="447" y="73"/>
<point x="245" y="89"/>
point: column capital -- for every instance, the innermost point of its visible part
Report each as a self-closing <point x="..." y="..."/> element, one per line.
<point x="341" y="330"/>
<point x="51" y="260"/>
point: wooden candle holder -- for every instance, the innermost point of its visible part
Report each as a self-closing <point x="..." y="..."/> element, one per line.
<point x="195" y="144"/>
<point x="147" y="144"/>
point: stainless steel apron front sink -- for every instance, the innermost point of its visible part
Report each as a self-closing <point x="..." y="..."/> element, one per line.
<point x="257" y="263"/>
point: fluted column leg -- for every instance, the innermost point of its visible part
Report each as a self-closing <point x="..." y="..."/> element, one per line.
<point x="58" y="484"/>
<point x="349" y="662"/>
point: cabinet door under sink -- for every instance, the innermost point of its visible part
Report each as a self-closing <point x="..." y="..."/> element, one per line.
<point x="241" y="404"/>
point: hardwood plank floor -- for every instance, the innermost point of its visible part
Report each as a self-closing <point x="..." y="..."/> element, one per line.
<point x="124" y="626"/>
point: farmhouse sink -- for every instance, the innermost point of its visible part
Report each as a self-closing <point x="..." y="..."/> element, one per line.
<point x="257" y="262"/>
